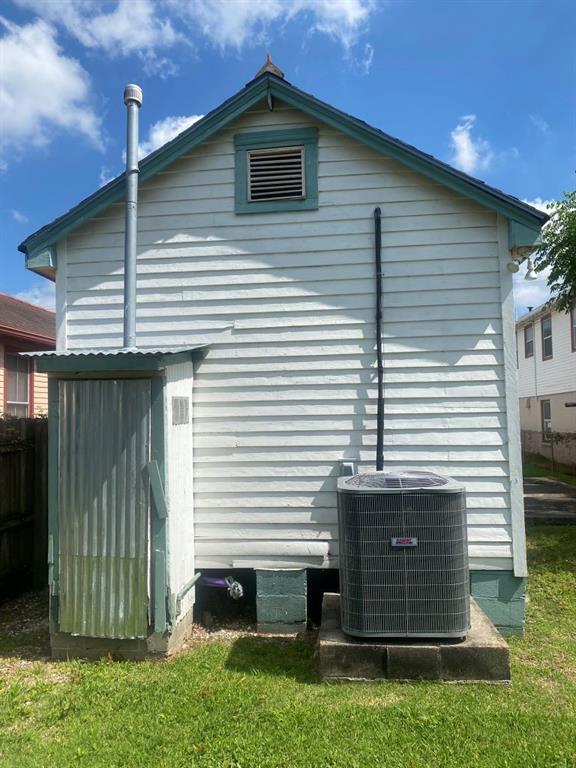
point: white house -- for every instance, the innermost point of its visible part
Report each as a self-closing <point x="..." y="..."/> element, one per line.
<point x="255" y="236"/>
<point x="546" y="343"/>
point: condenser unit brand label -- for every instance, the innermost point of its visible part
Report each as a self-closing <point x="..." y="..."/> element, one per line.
<point x="404" y="541"/>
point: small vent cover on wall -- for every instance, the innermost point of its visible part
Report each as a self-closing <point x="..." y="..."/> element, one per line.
<point x="180" y="410"/>
<point x="276" y="174"/>
<point x="403" y="555"/>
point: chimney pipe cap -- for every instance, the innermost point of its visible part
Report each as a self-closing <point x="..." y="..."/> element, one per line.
<point x="133" y="93"/>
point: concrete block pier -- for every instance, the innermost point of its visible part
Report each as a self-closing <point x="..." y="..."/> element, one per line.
<point x="483" y="656"/>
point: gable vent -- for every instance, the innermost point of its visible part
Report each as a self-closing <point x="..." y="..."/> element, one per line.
<point x="276" y="174"/>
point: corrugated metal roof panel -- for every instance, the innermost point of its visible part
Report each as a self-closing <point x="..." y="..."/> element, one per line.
<point x="115" y="352"/>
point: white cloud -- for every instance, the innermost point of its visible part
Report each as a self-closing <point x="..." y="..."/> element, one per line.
<point x="470" y="154"/>
<point x="539" y="203"/>
<point x="165" y="130"/>
<point x="41" y="293"/>
<point x="540" y="124"/>
<point x="18" y="216"/>
<point x="105" y="176"/>
<point x="367" y="59"/>
<point x="131" y="27"/>
<point x="247" y="22"/>
<point x="41" y="90"/>
<point x="530" y="293"/>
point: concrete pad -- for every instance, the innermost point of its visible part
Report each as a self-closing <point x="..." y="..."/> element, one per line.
<point x="482" y="656"/>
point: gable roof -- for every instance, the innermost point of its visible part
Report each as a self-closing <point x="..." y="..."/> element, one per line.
<point x="40" y="246"/>
<point x="19" y="318"/>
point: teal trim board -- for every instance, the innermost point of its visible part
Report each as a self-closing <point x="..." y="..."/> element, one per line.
<point x="159" y="613"/>
<point x="53" y="440"/>
<point x="268" y="86"/>
<point x="502" y="597"/>
<point x="522" y="236"/>
<point x="302" y="137"/>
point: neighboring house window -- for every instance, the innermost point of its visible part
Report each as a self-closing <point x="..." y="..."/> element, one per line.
<point x="546" y="323"/>
<point x="546" y="420"/>
<point x="573" y="328"/>
<point x="17" y="385"/>
<point x="276" y="171"/>
<point x="529" y="341"/>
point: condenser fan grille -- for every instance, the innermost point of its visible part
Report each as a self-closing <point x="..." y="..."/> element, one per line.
<point x="405" y="480"/>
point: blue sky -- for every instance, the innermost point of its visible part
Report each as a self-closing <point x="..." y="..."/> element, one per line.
<point x="488" y="86"/>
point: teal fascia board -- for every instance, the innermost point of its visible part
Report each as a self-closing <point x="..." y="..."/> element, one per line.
<point x="307" y="137"/>
<point x="410" y="156"/>
<point x="43" y="262"/>
<point x="117" y="363"/>
<point x="149" y="166"/>
<point x="522" y="236"/>
<point x="53" y="452"/>
<point x="272" y="87"/>
<point x="159" y="607"/>
<point x="44" y="258"/>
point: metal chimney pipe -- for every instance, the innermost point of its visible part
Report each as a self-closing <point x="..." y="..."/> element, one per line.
<point x="133" y="101"/>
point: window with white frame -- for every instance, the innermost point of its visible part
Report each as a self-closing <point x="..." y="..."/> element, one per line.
<point x="529" y="341"/>
<point x="17" y="371"/>
<point x="546" y="324"/>
<point x="546" y="420"/>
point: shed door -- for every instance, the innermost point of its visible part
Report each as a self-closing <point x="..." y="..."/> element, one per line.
<point x="103" y="519"/>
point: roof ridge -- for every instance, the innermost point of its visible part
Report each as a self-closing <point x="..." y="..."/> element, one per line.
<point x="28" y="304"/>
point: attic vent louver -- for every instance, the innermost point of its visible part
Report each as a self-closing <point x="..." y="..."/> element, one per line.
<point x="276" y="174"/>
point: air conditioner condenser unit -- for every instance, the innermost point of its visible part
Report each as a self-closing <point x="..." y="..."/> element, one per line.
<point x="403" y="555"/>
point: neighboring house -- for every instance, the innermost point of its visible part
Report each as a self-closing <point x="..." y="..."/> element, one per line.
<point x="23" y="327"/>
<point x="546" y="344"/>
<point x="256" y="237"/>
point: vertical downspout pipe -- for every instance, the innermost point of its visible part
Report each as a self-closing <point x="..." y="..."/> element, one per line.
<point x="133" y="101"/>
<point x="379" y="363"/>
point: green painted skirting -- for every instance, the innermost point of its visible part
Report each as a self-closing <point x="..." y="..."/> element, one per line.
<point x="502" y="597"/>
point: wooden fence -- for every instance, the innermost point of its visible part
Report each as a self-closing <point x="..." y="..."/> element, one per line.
<point x="23" y="504"/>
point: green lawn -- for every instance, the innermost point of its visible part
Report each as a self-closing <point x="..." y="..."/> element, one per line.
<point x="536" y="470"/>
<point x="256" y="702"/>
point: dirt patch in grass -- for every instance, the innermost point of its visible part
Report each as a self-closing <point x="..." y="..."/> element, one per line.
<point x="25" y="642"/>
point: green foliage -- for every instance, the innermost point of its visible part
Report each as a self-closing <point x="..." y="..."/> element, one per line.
<point x="558" y="251"/>
<point x="257" y="703"/>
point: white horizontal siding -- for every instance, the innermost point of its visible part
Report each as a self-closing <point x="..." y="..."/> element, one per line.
<point x="286" y="300"/>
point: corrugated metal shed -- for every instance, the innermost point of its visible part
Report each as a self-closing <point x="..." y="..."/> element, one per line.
<point x="103" y="507"/>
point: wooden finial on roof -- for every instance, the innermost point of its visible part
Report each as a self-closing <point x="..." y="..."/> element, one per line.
<point x="269" y="66"/>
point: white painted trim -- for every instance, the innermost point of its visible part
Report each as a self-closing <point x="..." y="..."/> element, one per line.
<point x="512" y="405"/>
<point x="61" y="294"/>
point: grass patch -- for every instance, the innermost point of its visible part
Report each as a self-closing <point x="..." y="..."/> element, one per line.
<point x="257" y="703"/>
<point x="537" y="470"/>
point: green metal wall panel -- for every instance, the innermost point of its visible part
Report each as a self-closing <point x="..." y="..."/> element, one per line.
<point x="103" y="507"/>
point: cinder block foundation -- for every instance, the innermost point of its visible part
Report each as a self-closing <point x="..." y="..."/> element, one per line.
<point x="281" y="601"/>
<point x="483" y="656"/>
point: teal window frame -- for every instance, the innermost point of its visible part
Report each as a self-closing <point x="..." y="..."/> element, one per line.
<point x="297" y="137"/>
